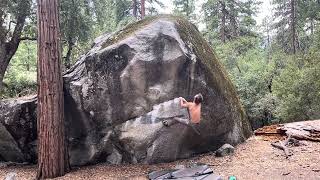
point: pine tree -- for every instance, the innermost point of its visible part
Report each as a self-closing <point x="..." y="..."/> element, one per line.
<point x="288" y="25"/>
<point x="152" y="6"/>
<point x="77" y="22"/>
<point x="143" y="9"/>
<point x="53" y="160"/>
<point x="229" y="19"/>
<point x="135" y="8"/>
<point x="185" y="8"/>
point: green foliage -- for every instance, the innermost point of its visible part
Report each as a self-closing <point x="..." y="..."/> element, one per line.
<point x="122" y="10"/>
<point x="235" y="18"/>
<point x="76" y="18"/>
<point x="295" y="21"/>
<point x="250" y="71"/>
<point x="273" y="83"/>
<point x="298" y="91"/>
<point x="298" y="86"/>
<point x="21" y="76"/>
<point x="152" y="7"/>
<point x="185" y="8"/>
<point x="275" y="87"/>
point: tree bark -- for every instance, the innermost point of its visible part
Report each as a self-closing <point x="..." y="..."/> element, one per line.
<point x="233" y="20"/>
<point x="67" y="62"/>
<point x="5" y="57"/>
<point x="28" y="58"/>
<point x="312" y="26"/>
<point x="143" y="9"/>
<point x="52" y="149"/>
<point x="134" y="8"/>
<point x="187" y="9"/>
<point x="223" y="22"/>
<point x="293" y="25"/>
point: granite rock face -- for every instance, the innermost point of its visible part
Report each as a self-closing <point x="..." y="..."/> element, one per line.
<point x="119" y="92"/>
<point x="18" y="130"/>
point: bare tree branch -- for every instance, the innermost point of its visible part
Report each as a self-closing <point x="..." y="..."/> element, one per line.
<point x="27" y="38"/>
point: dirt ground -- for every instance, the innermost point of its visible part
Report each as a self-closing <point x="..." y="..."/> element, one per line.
<point x="254" y="159"/>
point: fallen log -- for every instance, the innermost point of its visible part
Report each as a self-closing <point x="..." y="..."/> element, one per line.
<point x="266" y="133"/>
<point x="305" y="137"/>
<point x="283" y="147"/>
<point x="267" y="130"/>
<point x="304" y="130"/>
<point x="286" y="141"/>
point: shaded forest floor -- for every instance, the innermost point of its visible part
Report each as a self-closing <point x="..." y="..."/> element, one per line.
<point x="254" y="159"/>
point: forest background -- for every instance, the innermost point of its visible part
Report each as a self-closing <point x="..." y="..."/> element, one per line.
<point x="274" y="64"/>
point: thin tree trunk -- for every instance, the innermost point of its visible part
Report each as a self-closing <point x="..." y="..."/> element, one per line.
<point x="293" y="26"/>
<point x="233" y="21"/>
<point x="143" y="9"/>
<point x="238" y="68"/>
<point x="28" y="57"/>
<point x="4" y="62"/>
<point x="187" y="9"/>
<point x="269" y="43"/>
<point x="67" y="62"/>
<point x="134" y="8"/>
<point x="52" y="149"/>
<point x="223" y="22"/>
<point x="9" y="48"/>
<point x="312" y="26"/>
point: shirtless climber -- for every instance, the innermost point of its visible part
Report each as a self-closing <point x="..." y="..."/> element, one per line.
<point x="194" y="110"/>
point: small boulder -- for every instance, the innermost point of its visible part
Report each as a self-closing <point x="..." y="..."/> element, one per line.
<point x="115" y="157"/>
<point x="11" y="176"/>
<point x="18" y="129"/>
<point x="225" y="150"/>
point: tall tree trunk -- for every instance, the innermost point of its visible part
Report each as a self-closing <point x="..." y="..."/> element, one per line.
<point x="268" y="41"/>
<point x="312" y="26"/>
<point x="52" y="149"/>
<point x="293" y="26"/>
<point x="134" y="8"/>
<point x="233" y="20"/>
<point x="27" y="63"/>
<point x="223" y="22"/>
<point x="187" y="9"/>
<point x="143" y="9"/>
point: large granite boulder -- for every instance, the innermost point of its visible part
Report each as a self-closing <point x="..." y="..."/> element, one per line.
<point x="18" y="129"/>
<point x="118" y="94"/>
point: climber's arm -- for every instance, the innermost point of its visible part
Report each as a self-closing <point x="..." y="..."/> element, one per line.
<point x="183" y="102"/>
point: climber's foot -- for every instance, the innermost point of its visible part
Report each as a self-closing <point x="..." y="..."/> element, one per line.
<point x="165" y="123"/>
<point x="168" y="122"/>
